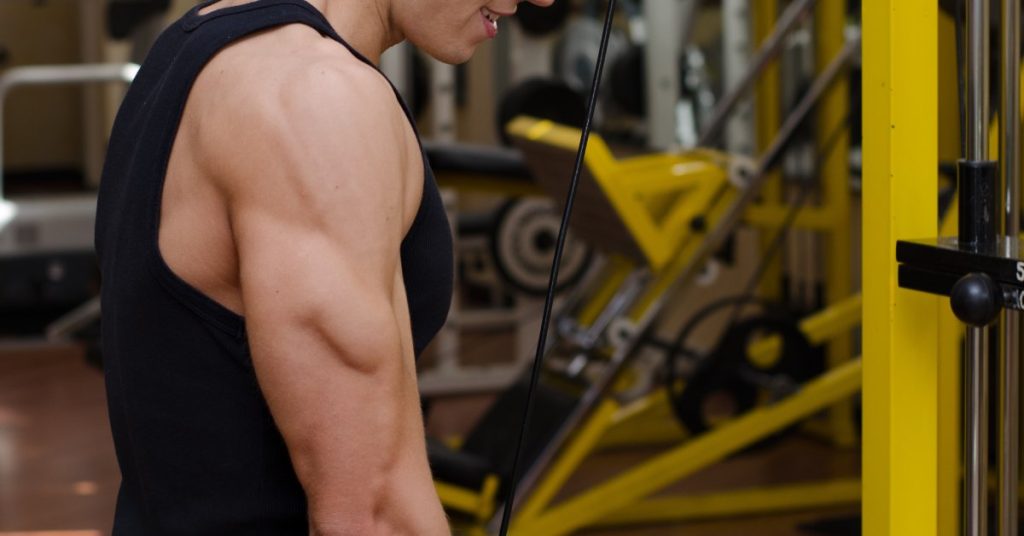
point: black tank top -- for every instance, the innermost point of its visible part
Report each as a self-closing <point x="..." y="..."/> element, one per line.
<point x="198" y="450"/>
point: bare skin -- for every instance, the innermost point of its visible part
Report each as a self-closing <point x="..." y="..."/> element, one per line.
<point x="293" y="179"/>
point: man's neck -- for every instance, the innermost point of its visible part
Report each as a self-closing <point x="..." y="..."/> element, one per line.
<point x="366" y="25"/>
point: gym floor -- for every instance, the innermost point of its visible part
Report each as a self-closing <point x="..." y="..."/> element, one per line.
<point x="59" y="477"/>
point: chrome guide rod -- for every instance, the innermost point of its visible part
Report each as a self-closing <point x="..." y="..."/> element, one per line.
<point x="1009" y="362"/>
<point x="976" y="410"/>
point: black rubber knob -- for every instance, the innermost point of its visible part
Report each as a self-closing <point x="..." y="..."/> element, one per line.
<point x="976" y="299"/>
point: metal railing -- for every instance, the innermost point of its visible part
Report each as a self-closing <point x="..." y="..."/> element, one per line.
<point x="47" y="75"/>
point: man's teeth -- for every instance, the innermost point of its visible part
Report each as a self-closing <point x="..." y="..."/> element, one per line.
<point x="491" y="17"/>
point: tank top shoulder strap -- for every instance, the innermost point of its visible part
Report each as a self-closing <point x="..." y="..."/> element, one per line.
<point x="271" y="11"/>
<point x="260" y="14"/>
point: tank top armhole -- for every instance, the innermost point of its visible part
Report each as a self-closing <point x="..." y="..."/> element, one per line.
<point x="197" y="301"/>
<point x="194" y="299"/>
<point x="207" y="308"/>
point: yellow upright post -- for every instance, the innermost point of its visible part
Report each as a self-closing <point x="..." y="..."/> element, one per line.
<point x="833" y="146"/>
<point x="900" y="347"/>
<point x="950" y="329"/>
<point x="768" y="119"/>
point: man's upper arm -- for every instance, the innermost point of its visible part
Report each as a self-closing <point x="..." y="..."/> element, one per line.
<point x="316" y="202"/>
<point x="316" y="195"/>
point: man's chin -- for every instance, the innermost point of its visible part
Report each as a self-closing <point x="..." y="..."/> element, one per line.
<point x="454" y="56"/>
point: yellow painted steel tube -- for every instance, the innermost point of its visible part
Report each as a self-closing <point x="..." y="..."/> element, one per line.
<point x="617" y="272"/>
<point x="645" y="431"/>
<point x="458" y="498"/>
<point x="578" y="449"/>
<point x="768" y="109"/>
<point x="653" y="475"/>
<point x="743" y="502"/>
<point x="900" y="328"/>
<point x="678" y="263"/>
<point x="488" y="493"/>
<point x="817" y="218"/>
<point x="841" y="316"/>
<point x="832" y="116"/>
<point x="834" y="321"/>
<point x="646" y="421"/>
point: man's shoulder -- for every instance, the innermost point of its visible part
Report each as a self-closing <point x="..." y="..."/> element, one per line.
<point x="298" y="96"/>
<point x="295" y="72"/>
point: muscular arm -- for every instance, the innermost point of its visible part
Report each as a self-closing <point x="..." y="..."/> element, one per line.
<point x="319" y="195"/>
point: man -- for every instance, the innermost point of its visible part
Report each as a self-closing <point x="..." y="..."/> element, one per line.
<point x="275" y="255"/>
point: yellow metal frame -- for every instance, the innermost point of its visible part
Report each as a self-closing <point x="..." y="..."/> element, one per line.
<point x="478" y="504"/>
<point x="910" y="368"/>
<point x="900" y="344"/>
<point x="735" y="503"/>
<point x="649" y="420"/>
<point x="613" y="424"/>
<point x="615" y="275"/>
<point x="694" y="182"/>
<point x="628" y="496"/>
<point x="831" y="216"/>
<point x="656" y="196"/>
<point x="768" y="120"/>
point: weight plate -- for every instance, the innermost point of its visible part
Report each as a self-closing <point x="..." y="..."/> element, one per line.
<point x="793" y="357"/>
<point x="716" y="378"/>
<point x="576" y="58"/>
<point x="542" y="98"/>
<point x="523" y="244"/>
<point x="730" y="374"/>
<point x="539" y="21"/>
<point x="627" y="83"/>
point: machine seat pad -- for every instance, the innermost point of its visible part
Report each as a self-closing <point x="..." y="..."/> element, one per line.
<point x="495" y="162"/>
<point x="454" y="467"/>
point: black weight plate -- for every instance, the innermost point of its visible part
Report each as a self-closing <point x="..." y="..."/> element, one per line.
<point x="576" y="54"/>
<point x="796" y="355"/>
<point x="715" y="376"/>
<point x="627" y="83"/>
<point x="544" y="99"/>
<point x="540" y="21"/>
<point x="728" y="370"/>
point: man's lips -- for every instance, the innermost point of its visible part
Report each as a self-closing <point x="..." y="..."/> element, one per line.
<point x="490" y="21"/>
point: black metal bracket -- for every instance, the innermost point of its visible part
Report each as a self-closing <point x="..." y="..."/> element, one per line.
<point x="935" y="266"/>
<point x="981" y="272"/>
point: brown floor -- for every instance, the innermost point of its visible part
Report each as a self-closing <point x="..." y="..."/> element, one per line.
<point x="57" y="467"/>
<point x="58" y="475"/>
